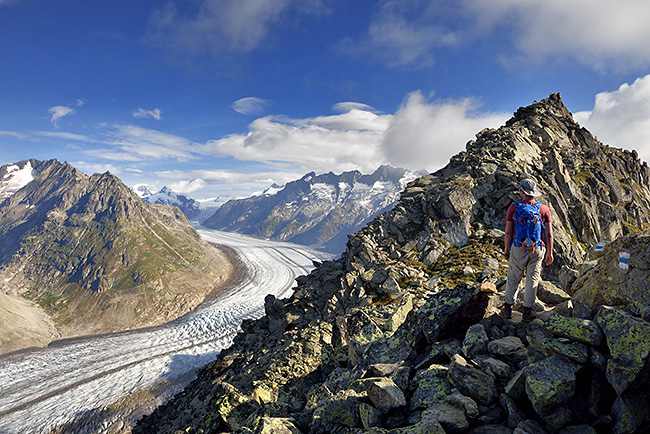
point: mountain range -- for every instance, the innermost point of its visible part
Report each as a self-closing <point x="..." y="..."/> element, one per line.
<point x="166" y="196"/>
<point x="316" y="210"/>
<point x="85" y="255"/>
<point x="402" y="334"/>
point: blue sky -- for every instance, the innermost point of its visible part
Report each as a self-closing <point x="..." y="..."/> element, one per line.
<point x="225" y="97"/>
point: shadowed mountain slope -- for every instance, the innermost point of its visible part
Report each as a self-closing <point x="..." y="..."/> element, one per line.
<point x="89" y="256"/>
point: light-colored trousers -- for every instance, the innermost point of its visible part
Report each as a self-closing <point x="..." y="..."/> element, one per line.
<point x="531" y="264"/>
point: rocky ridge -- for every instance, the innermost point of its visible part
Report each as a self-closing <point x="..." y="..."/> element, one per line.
<point x="83" y="255"/>
<point x="402" y="333"/>
<point x="316" y="210"/>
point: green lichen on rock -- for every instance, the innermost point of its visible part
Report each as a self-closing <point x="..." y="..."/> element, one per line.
<point x="433" y="385"/>
<point x="608" y="284"/>
<point x="337" y="412"/>
<point x="628" y="339"/>
<point x="548" y="345"/>
<point x="472" y="381"/>
<point x="578" y="329"/>
<point x="550" y="383"/>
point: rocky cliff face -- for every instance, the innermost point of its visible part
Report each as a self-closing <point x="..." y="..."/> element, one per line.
<point x="86" y="255"/>
<point x="402" y="333"/>
<point x="317" y="210"/>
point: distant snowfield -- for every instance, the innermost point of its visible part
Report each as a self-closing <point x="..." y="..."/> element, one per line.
<point x="15" y="179"/>
<point x="41" y="389"/>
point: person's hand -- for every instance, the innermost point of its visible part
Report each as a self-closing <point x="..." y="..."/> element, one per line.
<point x="506" y="253"/>
<point x="549" y="258"/>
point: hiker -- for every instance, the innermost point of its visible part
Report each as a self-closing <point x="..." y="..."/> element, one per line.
<point x="528" y="242"/>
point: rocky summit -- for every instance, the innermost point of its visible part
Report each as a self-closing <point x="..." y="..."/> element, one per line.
<point x="84" y="255"/>
<point x="402" y="334"/>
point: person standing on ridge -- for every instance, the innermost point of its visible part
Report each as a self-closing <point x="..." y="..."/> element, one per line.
<point x="528" y="242"/>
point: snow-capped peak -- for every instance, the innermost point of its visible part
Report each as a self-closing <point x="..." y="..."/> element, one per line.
<point x="142" y="190"/>
<point x="274" y="189"/>
<point x="15" y="178"/>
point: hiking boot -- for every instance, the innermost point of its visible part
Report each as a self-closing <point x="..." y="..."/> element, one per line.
<point x="529" y="314"/>
<point x="506" y="311"/>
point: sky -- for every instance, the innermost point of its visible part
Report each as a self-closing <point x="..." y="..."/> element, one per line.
<point x="223" y="98"/>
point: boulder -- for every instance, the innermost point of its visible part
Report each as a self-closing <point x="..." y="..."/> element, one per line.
<point x="472" y="381"/>
<point x="428" y="424"/>
<point x="451" y="418"/>
<point x="516" y="387"/>
<point x="578" y="329"/>
<point x="432" y="385"/>
<point x="493" y="366"/>
<point x="546" y="344"/>
<point x="628" y="339"/>
<point x="336" y="413"/>
<point x="276" y="425"/>
<point x="400" y="314"/>
<point x="467" y="404"/>
<point x="513" y="410"/>
<point x="558" y="418"/>
<point x="432" y="320"/>
<point x="550" y="383"/>
<point x="385" y="395"/>
<point x="631" y="413"/>
<point x="551" y="294"/>
<point x="506" y="347"/>
<point x="369" y="415"/>
<point x="475" y="342"/>
<point x="529" y="427"/>
<point x="382" y="369"/>
<point x="609" y="284"/>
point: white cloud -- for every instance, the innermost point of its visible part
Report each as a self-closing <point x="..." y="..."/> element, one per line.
<point x="131" y="143"/>
<point x="393" y="39"/>
<point x="426" y="135"/>
<point x="222" y="26"/>
<point x="143" y="114"/>
<point x="621" y="118"/>
<point x="64" y="136"/>
<point x="58" y="112"/>
<point x="13" y="134"/>
<point x="337" y="143"/>
<point x="420" y="135"/>
<point x="604" y="34"/>
<point x="186" y="187"/>
<point x="249" y="105"/>
<point x="344" y="107"/>
<point x="354" y="120"/>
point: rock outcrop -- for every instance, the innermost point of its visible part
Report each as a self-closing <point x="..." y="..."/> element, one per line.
<point x="84" y="255"/>
<point x="402" y="333"/>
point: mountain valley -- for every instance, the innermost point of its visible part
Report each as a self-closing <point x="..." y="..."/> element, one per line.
<point x="84" y="255"/>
